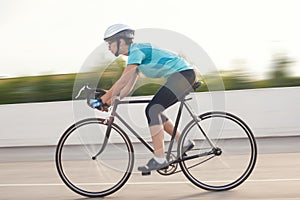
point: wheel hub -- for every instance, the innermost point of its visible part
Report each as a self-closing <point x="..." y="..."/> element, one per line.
<point x="217" y="151"/>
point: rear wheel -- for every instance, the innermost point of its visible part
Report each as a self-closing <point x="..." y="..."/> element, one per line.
<point x="92" y="163"/>
<point x="229" y="162"/>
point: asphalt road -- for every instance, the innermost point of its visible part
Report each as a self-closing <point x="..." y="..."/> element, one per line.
<point x="30" y="173"/>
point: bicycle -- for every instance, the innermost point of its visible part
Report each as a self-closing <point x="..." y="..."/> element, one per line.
<point x="223" y="156"/>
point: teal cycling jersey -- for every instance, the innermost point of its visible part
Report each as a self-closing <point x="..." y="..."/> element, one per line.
<point x="154" y="62"/>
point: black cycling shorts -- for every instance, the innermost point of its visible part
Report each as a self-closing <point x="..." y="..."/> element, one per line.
<point x="177" y="85"/>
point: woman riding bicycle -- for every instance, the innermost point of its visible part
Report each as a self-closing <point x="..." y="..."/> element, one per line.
<point x="155" y="63"/>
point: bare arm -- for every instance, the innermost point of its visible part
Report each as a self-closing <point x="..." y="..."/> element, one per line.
<point x="123" y="86"/>
<point x="128" y="87"/>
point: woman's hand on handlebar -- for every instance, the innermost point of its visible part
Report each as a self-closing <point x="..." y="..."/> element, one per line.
<point x="98" y="104"/>
<point x="107" y="102"/>
<point x="104" y="108"/>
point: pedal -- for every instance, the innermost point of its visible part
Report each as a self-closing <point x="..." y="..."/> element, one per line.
<point x="146" y="173"/>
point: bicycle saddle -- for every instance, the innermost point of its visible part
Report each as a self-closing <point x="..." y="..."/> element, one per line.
<point x="196" y="85"/>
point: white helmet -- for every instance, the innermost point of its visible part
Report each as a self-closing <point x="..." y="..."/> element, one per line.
<point x="118" y="31"/>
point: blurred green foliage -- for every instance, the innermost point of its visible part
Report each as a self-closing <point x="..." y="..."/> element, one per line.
<point x="36" y="89"/>
<point x="60" y="87"/>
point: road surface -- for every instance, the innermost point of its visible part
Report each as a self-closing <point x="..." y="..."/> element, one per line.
<point x="30" y="173"/>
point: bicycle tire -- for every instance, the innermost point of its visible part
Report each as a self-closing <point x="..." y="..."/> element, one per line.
<point x="238" y="152"/>
<point x="84" y="174"/>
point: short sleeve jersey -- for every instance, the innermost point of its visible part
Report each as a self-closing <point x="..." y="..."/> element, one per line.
<point x="154" y="62"/>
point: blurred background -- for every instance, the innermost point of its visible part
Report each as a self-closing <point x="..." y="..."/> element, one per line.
<point x="253" y="44"/>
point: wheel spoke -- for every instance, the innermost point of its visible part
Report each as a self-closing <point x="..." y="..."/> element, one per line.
<point x="201" y="162"/>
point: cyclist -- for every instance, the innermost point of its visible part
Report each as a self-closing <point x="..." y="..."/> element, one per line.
<point x="155" y="63"/>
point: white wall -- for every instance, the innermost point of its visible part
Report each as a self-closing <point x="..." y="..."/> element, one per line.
<point x="269" y="112"/>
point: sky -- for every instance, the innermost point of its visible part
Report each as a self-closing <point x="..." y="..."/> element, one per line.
<point x="56" y="36"/>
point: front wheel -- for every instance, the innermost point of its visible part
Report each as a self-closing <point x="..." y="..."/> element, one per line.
<point x="92" y="162"/>
<point x="224" y="154"/>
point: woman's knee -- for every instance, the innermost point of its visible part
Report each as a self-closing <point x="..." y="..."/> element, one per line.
<point x="153" y="113"/>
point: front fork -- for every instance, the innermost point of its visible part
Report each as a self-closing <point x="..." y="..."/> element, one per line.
<point x="109" y="123"/>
